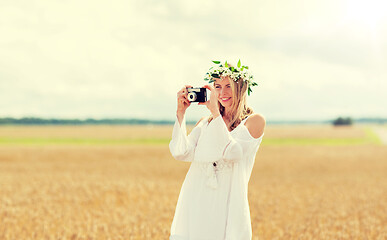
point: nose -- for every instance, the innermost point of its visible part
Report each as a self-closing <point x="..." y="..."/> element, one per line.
<point x="221" y="93"/>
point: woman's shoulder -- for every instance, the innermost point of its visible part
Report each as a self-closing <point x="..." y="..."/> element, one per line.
<point x="256" y="118"/>
<point x="256" y="123"/>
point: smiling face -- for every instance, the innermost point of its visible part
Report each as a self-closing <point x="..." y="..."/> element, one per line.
<point x="224" y="90"/>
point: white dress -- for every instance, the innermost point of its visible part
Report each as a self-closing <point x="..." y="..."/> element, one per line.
<point x="213" y="203"/>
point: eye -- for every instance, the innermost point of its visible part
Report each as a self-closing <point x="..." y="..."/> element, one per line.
<point x="217" y="86"/>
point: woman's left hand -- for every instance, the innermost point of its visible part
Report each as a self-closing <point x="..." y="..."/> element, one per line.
<point x="213" y="103"/>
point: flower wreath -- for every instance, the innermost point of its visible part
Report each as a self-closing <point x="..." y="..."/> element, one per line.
<point x="235" y="73"/>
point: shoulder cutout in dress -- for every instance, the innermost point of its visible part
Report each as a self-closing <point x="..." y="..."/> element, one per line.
<point x="255" y="123"/>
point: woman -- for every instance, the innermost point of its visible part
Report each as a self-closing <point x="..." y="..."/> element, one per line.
<point x="213" y="202"/>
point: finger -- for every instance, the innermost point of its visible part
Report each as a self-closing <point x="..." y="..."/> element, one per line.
<point x="182" y="93"/>
<point x="209" y="87"/>
<point x="182" y="100"/>
<point x="185" y="97"/>
<point x="184" y="89"/>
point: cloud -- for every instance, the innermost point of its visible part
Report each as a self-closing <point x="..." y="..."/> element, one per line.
<point x="129" y="58"/>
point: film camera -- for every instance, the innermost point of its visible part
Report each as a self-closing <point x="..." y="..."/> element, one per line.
<point x="197" y="94"/>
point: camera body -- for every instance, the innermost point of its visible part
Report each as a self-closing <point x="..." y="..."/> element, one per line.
<point x="197" y="94"/>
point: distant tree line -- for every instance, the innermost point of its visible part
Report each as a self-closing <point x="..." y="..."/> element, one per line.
<point x="89" y="121"/>
<point x="342" y="121"/>
<point x="122" y="121"/>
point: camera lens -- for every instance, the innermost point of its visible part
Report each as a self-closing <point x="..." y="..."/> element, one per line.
<point x="192" y="96"/>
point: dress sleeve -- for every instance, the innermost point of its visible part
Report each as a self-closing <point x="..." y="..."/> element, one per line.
<point x="182" y="147"/>
<point x="221" y="145"/>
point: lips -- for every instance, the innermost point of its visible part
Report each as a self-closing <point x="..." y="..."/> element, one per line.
<point x="225" y="99"/>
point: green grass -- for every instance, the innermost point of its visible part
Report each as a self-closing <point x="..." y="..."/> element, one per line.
<point x="155" y="141"/>
<point x="318" y="141"/>
<point x="371" y="138"/>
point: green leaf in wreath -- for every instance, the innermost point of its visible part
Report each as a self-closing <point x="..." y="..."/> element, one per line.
<point x="225" y="64"/>
<point x="239" y="63"/>
<point x="217" y="62"/>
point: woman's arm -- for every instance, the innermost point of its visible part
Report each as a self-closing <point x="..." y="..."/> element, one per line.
<point x="182" y="147"/>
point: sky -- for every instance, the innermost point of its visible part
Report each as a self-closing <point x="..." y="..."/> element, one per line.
<point x="312" y="60"/>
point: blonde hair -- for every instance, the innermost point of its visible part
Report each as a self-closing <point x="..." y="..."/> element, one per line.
<point x="239" y="108"/>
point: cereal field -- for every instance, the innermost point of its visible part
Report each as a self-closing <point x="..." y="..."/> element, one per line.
<point x="120" y="182"/>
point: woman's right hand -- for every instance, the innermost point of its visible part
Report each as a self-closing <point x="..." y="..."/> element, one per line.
<point x="182" y="101"/>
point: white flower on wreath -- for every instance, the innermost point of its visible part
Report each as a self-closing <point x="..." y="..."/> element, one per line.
<point x="235" y="73"/>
